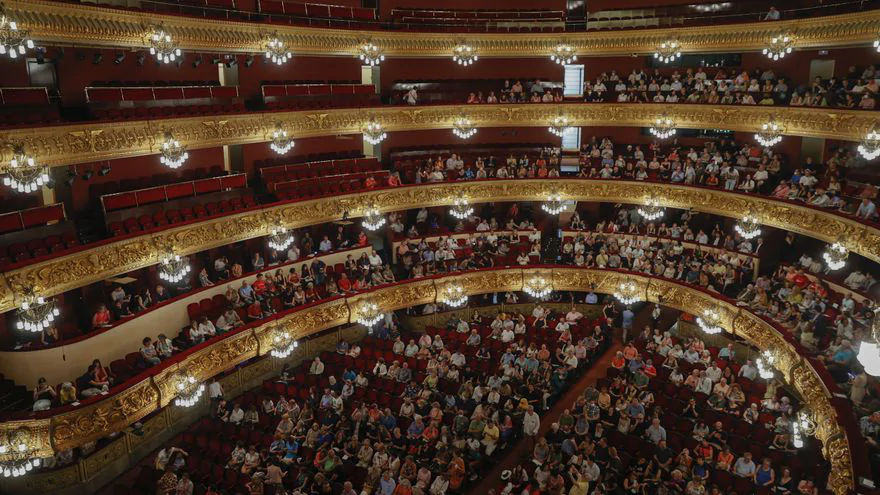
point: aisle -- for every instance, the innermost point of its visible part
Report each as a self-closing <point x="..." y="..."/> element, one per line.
<point x="492" y="478"/>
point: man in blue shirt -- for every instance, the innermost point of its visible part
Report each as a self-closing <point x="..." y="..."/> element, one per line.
<point x="627" y="318"/>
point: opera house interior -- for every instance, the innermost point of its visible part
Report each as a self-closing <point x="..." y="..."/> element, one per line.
<point x="412" y="247"/>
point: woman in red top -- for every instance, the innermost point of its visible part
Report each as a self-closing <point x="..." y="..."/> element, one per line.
<point x="101" y="318"/>
<point x="370" y="182"/>
<point x="362" y="239"/>
<point x="394" y="179"/>
<point x="101" y="373"/>
<point x="344" y="283"/>
<point x="255" y="311"/>
<point x="618" y="361"/>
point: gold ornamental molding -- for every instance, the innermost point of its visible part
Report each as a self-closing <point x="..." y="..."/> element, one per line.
<point x="77" y="24"/>
<point x="104" y="261"/>
<point x="70" y="144"/>
<point x="117" y="412"/>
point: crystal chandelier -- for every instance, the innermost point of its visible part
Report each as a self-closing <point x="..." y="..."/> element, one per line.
<point x="173" y="153"/>
<point x="554" y="204"/>
<point x="627" y="293"/>
<point x="35" y="312"/>
<point x="163" y="47"/>
<point x="369" y="314"/>
<point x="283" y="343"/>
<point x="23" y="173"/>
<point x="769" y="135"/>
<point x="869" y="350"/>
<point x="173" y="268"/>
<point x="559" y="125"/>
<point x="835" y="256"/>
<point x="370" y="54"/>
<point x="276" y="51"/>
<point x="668" y="51"/>
<point x="779" y="46"/>
<point x="453" y="296"/>
<point x="461" y="209"/>
<point x="373" y="219"/>
<point x="651" y="210"/>
<point x="464" y="128"/>
<point x="748" y="227"/>
<point x="804" y="425"/>
<point x="710" y="322"/>
<point x="564" y="54"/>
<point x="869" y="148"/>
<point x="464" y="54"/>
<point x="373" y="133"/>
<point x="663" y="128"/>
<point x="188" y="389"/>
<point x="765" y="364"/>
<point x="18" y="447"/>
<point x="281" y="141"/>
<point x="538" y="287"/>
<point x="280" y="238"/>
<point x="13" y="41"/>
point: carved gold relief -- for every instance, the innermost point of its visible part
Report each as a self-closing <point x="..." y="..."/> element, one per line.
<point x="95" y="26"/>
<point x="69" y="272"/>
<point x="68" y="144"/>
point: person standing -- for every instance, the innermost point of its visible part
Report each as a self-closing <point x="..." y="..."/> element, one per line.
<point x="531" y="424"/>
<point x="626" y="322"/>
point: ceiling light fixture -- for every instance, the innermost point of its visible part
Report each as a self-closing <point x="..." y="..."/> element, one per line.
<point x="668" y="51"/>
<point x="173" y="154"/>
<point x="554" y="204"/>
<point x="187" y="388"/>
<point x="277" y="52"/>
<point x="281" y="142"/>
<point x="453" y="295"/>
<point x="280" y="238"/>
<point x="463" y="127"/>
<point x="13" y="41"/>
<point x="373" y="219"/>
<point x="764" y="363"/>
<point x="651" y="210"/>
<point x="369" y="314"/>
<point x="18" y="446"/>
<point x="663" y="128"/>
<point x="779" y="47"/>
<point x="627" y="293"/>
<point x="461" y="209"/>
<point x="163" y="47"/>
<point x="23" y="174"/>
<point x="373" y="133"/>
<point x="835" y="256"/>
<point x="869" y="350"/>
<point x="283" y="343"/>
<point x="370" y="54"/>
<point x="559" y="125"/>
<point x="564" y="54"/>
<point x="869" y="148"/>
<point x="464" y="54"/>
<point x="173" y="268"/>
<point x="770" y="134"/>
<point x="710" y="322"/>
<point x="538" y="287"/>
<point x="35" y="312"/>
<point x="748" y="227"/>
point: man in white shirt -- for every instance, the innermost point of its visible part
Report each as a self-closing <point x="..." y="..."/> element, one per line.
<point x="749" y="371"/>
<point x="531" y="424"/>
<point x="317" y="367"/>
<point x="325" y="245"/>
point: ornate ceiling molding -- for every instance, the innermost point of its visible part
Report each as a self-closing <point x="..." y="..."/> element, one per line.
<point x="77" y="24"/>
<point x="117" y="412"/>
<point x="75" y="270"/>
<point x="59" y="145"/>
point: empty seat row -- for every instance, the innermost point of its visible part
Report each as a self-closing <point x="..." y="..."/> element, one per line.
<point x="169" y="217"/>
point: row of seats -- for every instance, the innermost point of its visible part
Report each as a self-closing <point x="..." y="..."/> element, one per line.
<point x="172" y="216"/>
<point x="35" y="248"/>
<point x="159" y="112"/>
<point x="340" y="184"/>
<point x="32" y="217"/>
<point x="300" y="9"/>
<point x="310" y="157"/>
<point x="170" y="192"/>
<point x="505" y="14"/>
<point x="281" y="173"/>
<point x="168" y="178"/>
<point x="27" y="106"/>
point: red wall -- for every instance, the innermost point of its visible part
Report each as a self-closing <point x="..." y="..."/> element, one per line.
<point x="387" y="5"/>
<point x="406" y="69"/>
<point x="306" y="146"/>
<point x="494" y="135"/>
<point x="299" y="68"/>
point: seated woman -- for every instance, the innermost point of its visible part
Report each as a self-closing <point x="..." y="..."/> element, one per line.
<point x="101" y="318"/>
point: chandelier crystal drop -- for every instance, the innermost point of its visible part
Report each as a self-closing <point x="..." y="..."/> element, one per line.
<point x="369" y="314"/>
<point x="36" y="312"/>
<point x="651" y="210"/>
<point x="373" y="219"/>
<point x="373" y="133"/>
<point x="869" y="148"/>
<point x="370" y="54"/>
<point x="173" y="268"/>
<point x="835" y="256"/>
<point x="559" y="125"/>
<point x="277" y="52"/>
<point x="668" y="51"/>
<point x="748" y="227"/>
<point x="627" y="293"/>
<point x="779" y="47"/>
<point x="538" y="287"/>
<point x="769" y="135"/>
<point x="803" y="425"/>
<point x="281" y="142"/>
<point x="564" y="54"/>
<point x="765" y="362"/>
<point x="173" y="154"/>
<point x="280" y="238"/>
<point x="464" y="54"/>
<point x="554" y="204"/>
<point x="188" y="389"/>
<point x="13" y="41"/>
<point x="17" y="447"/>
<point x="23" y="173"/>
<point x="283" y="343"/>
<point x="663" y="128"/>
<point x="461" y="209"/>
<point x="464" y="128"/>
<point x="709" y="322"/>
<point x="163" y="47"/>
<point x="453" y="295"/>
